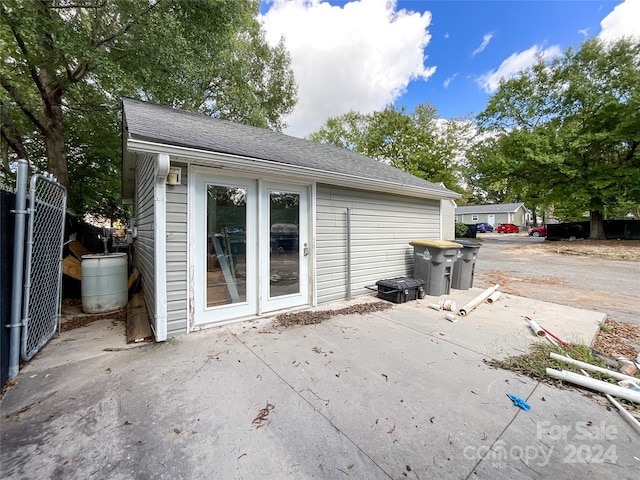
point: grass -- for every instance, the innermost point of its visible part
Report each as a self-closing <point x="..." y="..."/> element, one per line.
<point x="535" y="363"/>
<point x="605" y="327"/>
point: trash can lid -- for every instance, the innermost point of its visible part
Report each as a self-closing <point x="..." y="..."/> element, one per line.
<point x="468" y="243"/>
<point x="435" y="243"/>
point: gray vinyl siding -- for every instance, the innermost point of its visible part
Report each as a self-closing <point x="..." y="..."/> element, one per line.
<point x="517" y="218"/>
<point x="177" y="256"/>
<point x="381" y="228"/>
<point x="144" y="218"/>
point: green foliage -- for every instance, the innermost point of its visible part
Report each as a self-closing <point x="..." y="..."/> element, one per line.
<point x="418" y="142"/>
<point x="67" y="64"/>
<point x="461" y="230"/>
<point x="569" y="133"/>
<point x="534" y="363"/>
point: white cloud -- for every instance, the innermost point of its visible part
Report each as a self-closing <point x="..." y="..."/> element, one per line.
<point x="622" y="21"/>
<point x="485" y="41"/>
<point x="357" y="56"/>
<point x="584" y="32"/>
<point x="448" y="81"/>
<point x="515" y="64"/>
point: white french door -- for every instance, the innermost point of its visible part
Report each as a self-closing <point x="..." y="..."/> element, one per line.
<point x="251" y="247"/>
<point x="284" y="246"/>
<point x="224" y="257"/>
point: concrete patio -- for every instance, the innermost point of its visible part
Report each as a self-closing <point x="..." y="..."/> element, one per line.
<point x="401" y="393"/>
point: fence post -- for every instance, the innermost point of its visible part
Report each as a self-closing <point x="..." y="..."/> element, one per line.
<point x="18" y="268"/>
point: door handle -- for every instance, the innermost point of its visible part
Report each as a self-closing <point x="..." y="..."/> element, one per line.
<point x="305" y="250"/>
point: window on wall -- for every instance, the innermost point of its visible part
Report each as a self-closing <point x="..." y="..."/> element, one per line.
<point x="474" y="218"/>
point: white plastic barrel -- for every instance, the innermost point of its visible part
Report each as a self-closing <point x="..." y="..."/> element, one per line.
<point x="104" y="282"/>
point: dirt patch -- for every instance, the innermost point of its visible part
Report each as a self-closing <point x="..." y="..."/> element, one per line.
<point x="509" y="282"/>
<point x="618" y="339"/>
<point x="627" y="250"/>
<point x="72" y="316"/>
<point x="312" y="317"/>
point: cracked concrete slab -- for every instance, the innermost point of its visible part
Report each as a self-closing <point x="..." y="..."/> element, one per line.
<point x="401" y="393"/>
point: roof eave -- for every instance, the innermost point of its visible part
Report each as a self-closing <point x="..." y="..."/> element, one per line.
<point x="250" y="164"/>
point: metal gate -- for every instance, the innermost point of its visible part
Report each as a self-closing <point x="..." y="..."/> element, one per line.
<point x="43" y="263"/>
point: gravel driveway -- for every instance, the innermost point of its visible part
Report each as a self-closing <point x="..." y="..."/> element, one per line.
<point x="524" y="266"/>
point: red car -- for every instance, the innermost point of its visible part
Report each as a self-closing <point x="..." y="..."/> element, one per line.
<point x="538" y="231"/>
<point x="508" y="228"/>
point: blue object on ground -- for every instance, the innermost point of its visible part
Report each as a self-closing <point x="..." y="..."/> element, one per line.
<point x="519" y="402"/>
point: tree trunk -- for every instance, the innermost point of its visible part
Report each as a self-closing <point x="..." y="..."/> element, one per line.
<point x="54" y="128"/>
<point x="54" y="140"/>
<point x="596" y="226"/>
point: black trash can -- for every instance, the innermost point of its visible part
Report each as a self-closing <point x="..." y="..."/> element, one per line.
<point x="434" y="261"/>
<point x="463" y="269"/>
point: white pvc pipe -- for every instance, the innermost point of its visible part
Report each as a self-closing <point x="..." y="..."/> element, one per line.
<point x="494" y="297"/>
<point x="478" y="300"/>
<point x="594" y="368"/>
<point x="594" y="384"/>
<point x="633" y="421"/>
<point x="537" y="329"/>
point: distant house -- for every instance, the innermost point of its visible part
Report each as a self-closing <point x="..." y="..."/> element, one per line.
<point x="515" y="213"/>
<point x="232" y="222"/>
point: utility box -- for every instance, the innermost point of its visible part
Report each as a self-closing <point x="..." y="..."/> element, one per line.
<point x="463" y="269"/>
<point x="434" y="260"/>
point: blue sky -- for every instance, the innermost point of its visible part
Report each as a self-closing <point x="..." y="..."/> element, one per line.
<point x="363" y="54"/>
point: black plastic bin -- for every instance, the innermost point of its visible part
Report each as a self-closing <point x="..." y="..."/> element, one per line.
<point x="400" y="290"/>
<point x="464" y="268"/>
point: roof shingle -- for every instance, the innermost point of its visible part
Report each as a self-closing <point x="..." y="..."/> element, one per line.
<point x="165" y="125"/>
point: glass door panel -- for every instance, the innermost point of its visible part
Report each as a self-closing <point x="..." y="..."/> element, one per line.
<point x="226" y="245"/>
<point x="284" y="248"/>
<point x="284" y="226"/>
<point x="224" y="219"/>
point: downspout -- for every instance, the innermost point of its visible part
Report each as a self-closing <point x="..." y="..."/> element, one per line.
<point x="348" y="253"/>
<point x="160" y="244"/>
<point x="18" y="269"/>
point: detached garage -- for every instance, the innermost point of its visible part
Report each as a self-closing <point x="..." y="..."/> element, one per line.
<point x="232" y="222"/>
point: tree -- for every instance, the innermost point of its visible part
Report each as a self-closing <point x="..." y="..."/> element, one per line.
<point x="419" y="142"/>
<point x="570" y="131"/>
<point x="67" y="63"/>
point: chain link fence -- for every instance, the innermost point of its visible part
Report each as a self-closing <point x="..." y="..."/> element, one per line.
<point x="43" y="266"/>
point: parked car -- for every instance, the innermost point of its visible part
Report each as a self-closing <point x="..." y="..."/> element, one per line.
<point x="508" y="228"/>
<point x="483" y="227"/>
<point x="538" y="231"/>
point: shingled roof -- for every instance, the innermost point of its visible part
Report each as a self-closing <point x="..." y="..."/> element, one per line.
<point x="168" y="126"/>
<point x="494" y="208"/>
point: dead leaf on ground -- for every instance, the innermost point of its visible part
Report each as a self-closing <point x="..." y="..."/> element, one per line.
<point x="313" y="317"/>
<point x="618" y="339"/>
<point x="261" y="419"/>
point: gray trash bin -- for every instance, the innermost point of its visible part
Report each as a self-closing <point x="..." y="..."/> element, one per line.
<point x="434" y="261"/>
<point x="463" y="269"/>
